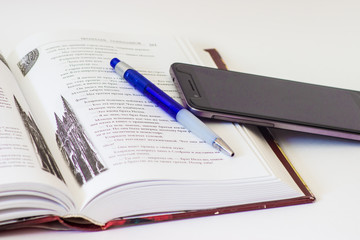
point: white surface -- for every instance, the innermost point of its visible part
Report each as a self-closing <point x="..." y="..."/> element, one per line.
<point x="313" y="41"/>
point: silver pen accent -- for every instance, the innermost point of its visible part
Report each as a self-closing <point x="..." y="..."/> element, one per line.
<point x="223" y="147"/>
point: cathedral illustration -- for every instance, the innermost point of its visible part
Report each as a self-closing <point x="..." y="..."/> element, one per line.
<point x="76" y="146"/>
<point x="47" y="161"/>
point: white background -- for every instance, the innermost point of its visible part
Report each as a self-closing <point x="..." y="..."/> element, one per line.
<point x="308" y="40"/>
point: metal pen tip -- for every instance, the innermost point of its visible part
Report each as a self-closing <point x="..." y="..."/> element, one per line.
<point x="223" y="147"/>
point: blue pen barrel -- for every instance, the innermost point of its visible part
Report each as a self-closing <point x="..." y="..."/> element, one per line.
<point x="163" y="100"/>
<point x="154" y="93"/>
<point x="136" y="79"/>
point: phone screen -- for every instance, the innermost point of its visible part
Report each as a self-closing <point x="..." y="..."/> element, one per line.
<point x="273" y="99"/>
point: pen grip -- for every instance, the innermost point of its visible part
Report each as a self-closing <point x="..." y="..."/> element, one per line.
<point x="196" y="126"/>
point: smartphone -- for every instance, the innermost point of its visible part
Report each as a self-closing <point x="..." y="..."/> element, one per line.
<point x="266" y="101"/>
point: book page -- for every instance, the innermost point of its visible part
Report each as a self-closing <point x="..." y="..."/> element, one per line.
<point x="27" y="167"/>
<point x="108" y="133"/>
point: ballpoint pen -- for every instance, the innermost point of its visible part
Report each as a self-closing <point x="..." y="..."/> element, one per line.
<point x="169" y="105"/>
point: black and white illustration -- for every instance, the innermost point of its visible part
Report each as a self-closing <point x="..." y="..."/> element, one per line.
<point x="2" y="59"/>
<point x="76" y="147"/>
<point x="28" y="61"/>
<point x="45" y="157"/>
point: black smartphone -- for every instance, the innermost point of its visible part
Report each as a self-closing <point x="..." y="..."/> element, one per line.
<point x="266" y="101"/>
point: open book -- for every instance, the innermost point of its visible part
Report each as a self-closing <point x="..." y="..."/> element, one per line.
<point x="80" y="146"/>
